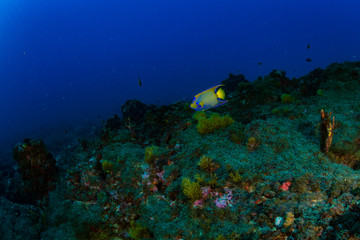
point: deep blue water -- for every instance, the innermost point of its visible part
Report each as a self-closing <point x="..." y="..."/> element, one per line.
<point x="66" y="64"/>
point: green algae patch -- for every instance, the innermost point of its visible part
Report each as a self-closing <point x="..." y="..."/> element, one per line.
<point x="138" y="231"/>
<point x="214" y="122"/>
<point x="206" y="163"/>
<point x="107" y="166"/>
<point x="287" y="98"/>
<point x="191" y="189"/>
<point x="151" y="153"/>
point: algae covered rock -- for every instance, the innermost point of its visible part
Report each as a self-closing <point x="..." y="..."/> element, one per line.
<point x="134" y="109"/>
<point x="231" y="83"/>
<point x="37" y="168"/>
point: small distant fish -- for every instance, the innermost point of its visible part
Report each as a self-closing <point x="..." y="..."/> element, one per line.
<point x="139" y="81"/>
<point x="210" y="98"/>
<point x="308" y="60"/>
<point x="259" y="63"/>
<point x="308" y="46"/>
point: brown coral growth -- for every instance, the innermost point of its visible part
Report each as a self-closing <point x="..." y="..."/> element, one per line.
<point x="327" y="130"/>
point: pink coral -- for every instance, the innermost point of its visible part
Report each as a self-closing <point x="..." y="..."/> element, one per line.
<point x="285" y="186"/>
<point x="198" y="203"/>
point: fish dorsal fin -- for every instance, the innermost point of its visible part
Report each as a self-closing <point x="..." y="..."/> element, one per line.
<point x="212" y="89"/>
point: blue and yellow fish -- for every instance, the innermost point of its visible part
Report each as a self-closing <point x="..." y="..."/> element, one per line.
<point x="209" y="98"/>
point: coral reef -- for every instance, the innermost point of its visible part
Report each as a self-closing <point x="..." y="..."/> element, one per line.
<point x="270" y="171"/>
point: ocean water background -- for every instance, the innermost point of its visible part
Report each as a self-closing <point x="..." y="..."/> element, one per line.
<point x="68" y="65"/>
